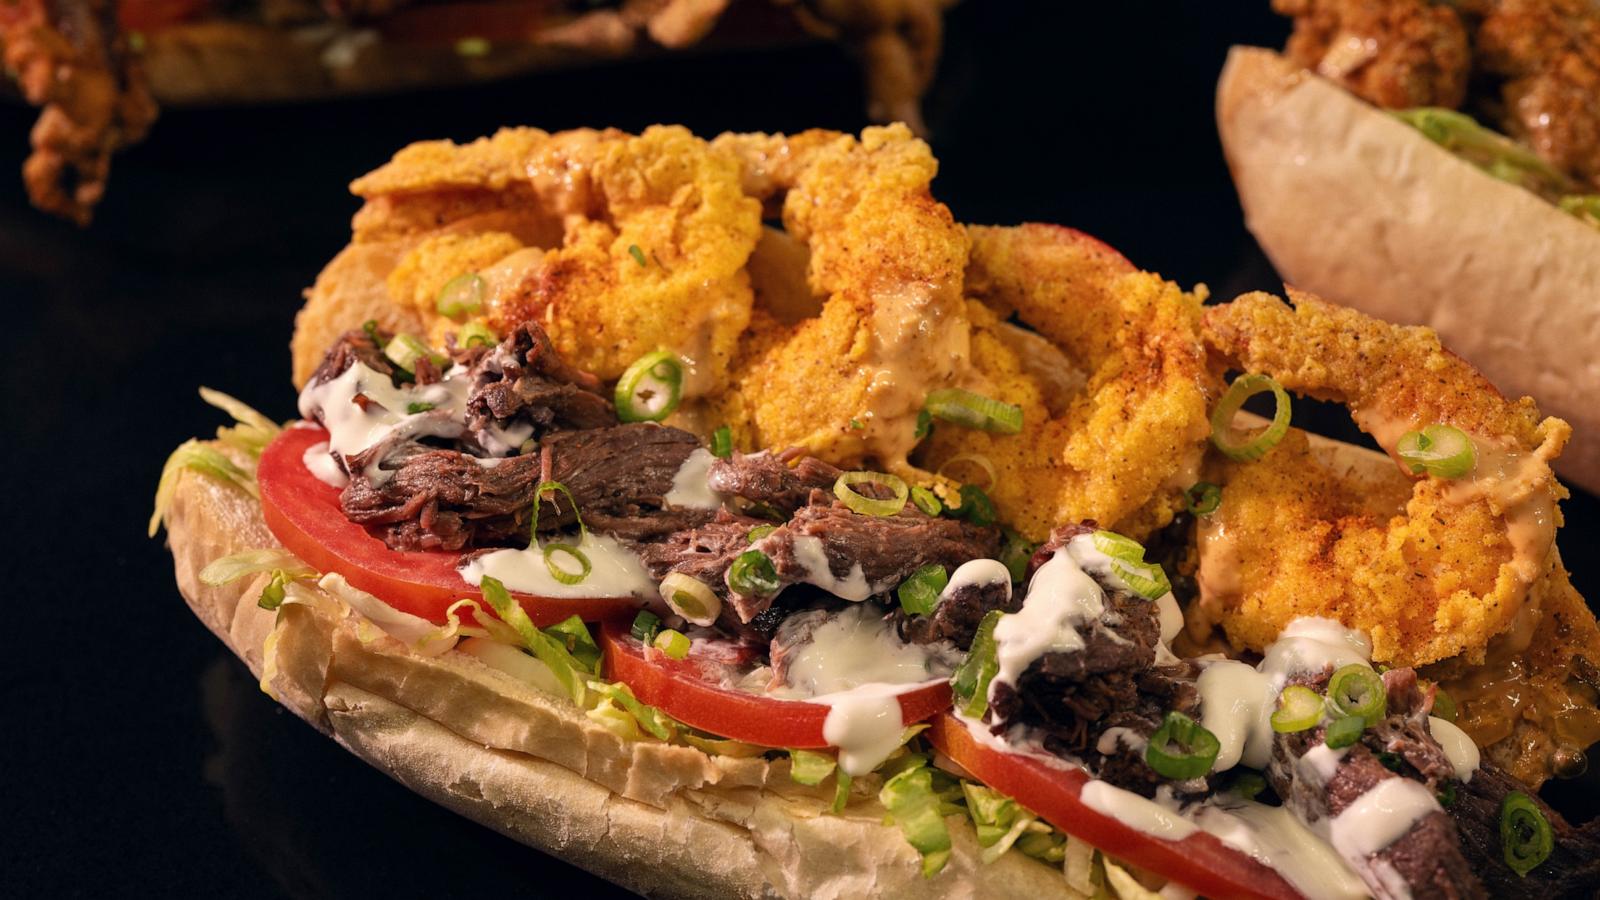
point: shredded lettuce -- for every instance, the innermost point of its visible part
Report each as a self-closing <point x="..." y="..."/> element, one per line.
<point x="226" y="569"/>
<point x="999" y="820"/>
<point x="808" y="767"/>
<point x="252" y="433"/>
<point x="652" y="720"/>
<point x="551" y="651"/>
<point x="719" y="746"/>
<point x="206" y="460"/>
<point x="578" y="641"/>
<point x="917" y="809"/>
<point x="1124" y="885"/>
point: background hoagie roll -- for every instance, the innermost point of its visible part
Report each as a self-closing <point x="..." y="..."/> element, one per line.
<point x="1352" y="204"/>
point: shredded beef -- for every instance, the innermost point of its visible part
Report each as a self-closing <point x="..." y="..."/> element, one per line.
<point x="958" y="614"/>
<point x="525" y="380"/>
<point x="352" y="347"/>
<point x="1573" y="869"/>
<point x="769" y="479"/>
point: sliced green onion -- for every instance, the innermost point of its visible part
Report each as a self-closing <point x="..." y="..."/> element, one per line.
<point x="976" y="459"/>
<point x="1202" y="499"/>
<point x="1247" y="784"/>
<point x="1443" y="451"/>
<point x="760" y="531"/>
<point x="1447" y="794"/>
<point x="414" y="408"/>
<point x="461" y="295"/>
<point x="924" y="425"/>
<point x="753" y="575"/>
<point x="539" y="491"/>
<point x="689" y="597"/>
<point x="970" y="683"/>
<point x="1444" y="706"/>
<point x="645" y="626"/>
<point x="722" y="442"/>
<point x="673" y="643"/>
<point x="1118" y="547"/>
<point x="637" y="254"/>
<point x="1525" y="834"/>
<point x="1148" y="580"/>
<point x="650" y="388"/>
<point x="1016" y="554"/>
<point x="1299" y="708"/>
<point x="1243" y="388"/>
<point x="476" y="334"/>
<point x="808" y="767"/>
<point x="1356" y="690"/>
<point x="919" y="594"/>
<point x="857" y="425"/>
<point x="1181" y="748"/>
<point x="927" y="501"/>
<point x="561" y="573"/>
<point x="976" y="507"/>
<point x="1344" y="732"/>
<point x="974" y="411"/>
<point x="370" y="326"/>
<point x="844" y="489"/>
<point x="404" y="350"/>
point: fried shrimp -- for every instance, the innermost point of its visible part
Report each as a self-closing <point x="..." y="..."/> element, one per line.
<point x="616" y="245"/>
<point x="847" y="383"/>
<point x="1113" y="420"/>
<point x="1445" y="576"/>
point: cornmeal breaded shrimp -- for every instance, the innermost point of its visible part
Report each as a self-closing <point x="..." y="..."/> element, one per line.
<point x="1122" y="443"/>
<point x="616" y="245"/>
<point x="1442" y="579"/>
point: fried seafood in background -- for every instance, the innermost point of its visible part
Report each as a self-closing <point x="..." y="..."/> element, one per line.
<point x="1462" y="573"/>
<point x="1394" y="53"/>
<point x="1114" y="419"/>
<point x="70" y="60"/>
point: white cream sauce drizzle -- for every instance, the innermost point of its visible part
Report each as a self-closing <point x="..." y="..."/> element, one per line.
<point x="352" y="429"/>
<point x="1457" y="746"/>
<point x="1159" y="820"/>
<point x="690" y="487"/>
<point x="812" y="555"/>
<point x="1275" y="838"/>
<point x="979" y="572"/>
<point x="319" y="463"/>
<point x="1379" y="817"/>
<point x="615" y="571"/>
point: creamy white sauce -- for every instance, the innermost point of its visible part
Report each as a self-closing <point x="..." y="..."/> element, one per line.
<point x="1457" y="746"/>
<point x="812" y="555"/>
<point x="1113" y="738"/>
<point x="1061" y="596"/>
<point x="322" y="464"/>
<point x="690" y="489"/>
<point x="1141" y="814"/>
<point x="1379" y="817"/>
<point x="1275" y="838"/>
<point x="1319" y="763"/>
<point x="352" y="429"/>
<point x="856" y="666"/>
<point x="615" y="571"/>
<point x="981" y="572"/>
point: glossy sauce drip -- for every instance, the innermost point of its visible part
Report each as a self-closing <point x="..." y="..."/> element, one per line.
<point x="615" y="571"/>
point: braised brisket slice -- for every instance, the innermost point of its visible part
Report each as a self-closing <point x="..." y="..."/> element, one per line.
<point x="958" y="614"/>
<point x="1571" y="873"/>
<point x="525" y="380"/>
<point x="448" y="500"/>
<point x="771" y="480"/>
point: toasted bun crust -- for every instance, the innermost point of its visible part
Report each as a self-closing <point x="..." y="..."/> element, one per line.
<point x="666" y="821"/>
<point x="1358" y="207"/>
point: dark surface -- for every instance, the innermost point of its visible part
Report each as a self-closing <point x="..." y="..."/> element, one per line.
<point x="139" y="758"/>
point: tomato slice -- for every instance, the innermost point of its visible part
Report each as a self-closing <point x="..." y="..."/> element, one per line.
<point x="1200" y="861"/>
<point x="303" y="514"/>
<point x="685" y="690"/>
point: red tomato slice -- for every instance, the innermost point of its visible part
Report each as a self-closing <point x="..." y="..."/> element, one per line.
<point x="303" y="514"/>
<point x="682" y="689"/>
<point x="1199" y="862"/>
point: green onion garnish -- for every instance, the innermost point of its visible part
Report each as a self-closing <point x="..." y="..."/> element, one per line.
<point x="689" y="597"/>
<point x="927" y="501"/>
<point x="844" y="489"/>
<point x="562" y="574"/>
<point x="1202" y="499"/>
<point x="1443" y="451"/>
<point x="645" y="626"/>
<point x="673" y="643"/>
<point x="722" y="442"/>
<point x="974" y="411"/>
<point x="1181" y="748"/>
<point x="414" y="408"/>
<point x="857" y="425"/>
<point x="370" y="326"/>
<point x="1390" y="761"/>
<point x="753" y="575"/>
<point x="1356" y="690"/>
<point x="924" y="425"/>
<point x="650" y="388"/>
<point x="1146" y="579"/>
<point x="1247" y="784"/>
<point x="970" y="683"/>
<point x="1299" y="708"/>
<point x="461" y="295"/>
<point x="637" y="254"/>
<point x="539" y="490"/>
<point x="1344" y="732"/>
<point x="1118" y="547"/>
<point x="1525" y="834"/>
<point x="919" y="594"/>
<point x="476" y="334"/>
<point x="404" y="350"/>
<point x="1243" y="388"/>
<point x="976" y="507"/>
<point x="1447" y="794"/>
<point x="1016" y="554"/>
<point x="760" y="531"/>
<point x="1444" y="706"/>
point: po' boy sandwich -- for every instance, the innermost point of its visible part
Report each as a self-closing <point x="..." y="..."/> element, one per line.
<point x="727" y="560"/>
<point x="1438" y="164"/>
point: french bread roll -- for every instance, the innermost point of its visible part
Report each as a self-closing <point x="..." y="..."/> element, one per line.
<point x="659" y="819"/>
<point x="1358" y="207"/>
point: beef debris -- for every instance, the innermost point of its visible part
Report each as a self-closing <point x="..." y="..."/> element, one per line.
<point x="771" y="480"/>
<point x="1571" y="873"/>
<point x="525" y="380"/>
<point x="958" y="614"/>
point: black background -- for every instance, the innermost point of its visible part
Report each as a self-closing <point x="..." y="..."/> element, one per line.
<point x="139" y="757"/>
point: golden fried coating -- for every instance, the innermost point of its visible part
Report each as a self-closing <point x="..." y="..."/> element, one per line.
<point x="1549" y="53"/>
<point x="1443" y="578"/>
<point x="847" y="385"/>
<point x="1121" y="444"/>
<point x="1394" y="53"/>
